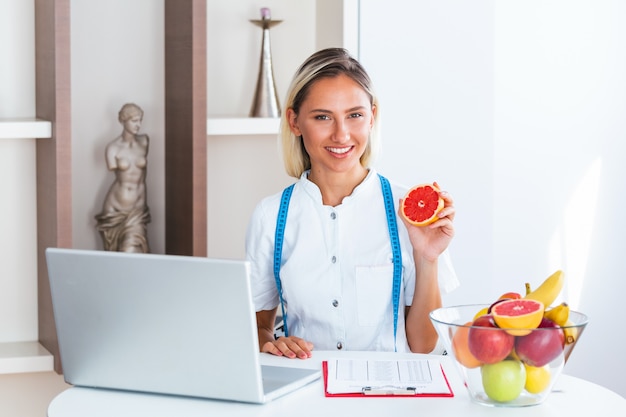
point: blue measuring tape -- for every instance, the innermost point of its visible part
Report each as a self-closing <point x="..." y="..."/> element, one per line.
<point x="281" y="221"/>
<point x="395" y="249"/>
<point x="396" y="252"/>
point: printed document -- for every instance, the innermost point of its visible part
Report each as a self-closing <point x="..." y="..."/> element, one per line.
<point x="405" y="376"/>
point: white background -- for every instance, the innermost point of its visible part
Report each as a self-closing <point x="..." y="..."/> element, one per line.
<point x="516" y="108"/>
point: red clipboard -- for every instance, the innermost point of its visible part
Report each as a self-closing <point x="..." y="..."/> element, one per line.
<point x="448" y="394"/>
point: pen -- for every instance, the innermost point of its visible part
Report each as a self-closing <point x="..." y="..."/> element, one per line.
<point x="388" y="391"/>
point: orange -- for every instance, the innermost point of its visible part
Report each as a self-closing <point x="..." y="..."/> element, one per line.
<point x="421" y="204"/>
<point x="507" y="295"/>
<point x="460" y="348"/>
<point x="518" y="317"/>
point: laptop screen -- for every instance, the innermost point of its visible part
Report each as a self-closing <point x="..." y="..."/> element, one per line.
<point x="156" y="323"/>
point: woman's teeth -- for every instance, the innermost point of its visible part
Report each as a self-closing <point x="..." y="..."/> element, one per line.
<point x="339" y="150"/>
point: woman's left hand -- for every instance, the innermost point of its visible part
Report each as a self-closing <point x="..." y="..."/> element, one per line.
<point x="430" y="241"/>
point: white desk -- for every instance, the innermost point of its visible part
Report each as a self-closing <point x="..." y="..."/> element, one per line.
<point x="572" y="396"/>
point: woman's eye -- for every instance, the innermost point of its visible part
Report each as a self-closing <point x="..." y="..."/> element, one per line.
<point x="322" y="117"/>
<point x="355" y="115"/>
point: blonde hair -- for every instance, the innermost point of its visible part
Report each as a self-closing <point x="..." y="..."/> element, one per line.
<point x="326" y="63"/>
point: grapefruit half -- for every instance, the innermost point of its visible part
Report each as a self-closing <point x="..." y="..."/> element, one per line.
<point x="421" y="204"/>
<point x="518" y="317"/>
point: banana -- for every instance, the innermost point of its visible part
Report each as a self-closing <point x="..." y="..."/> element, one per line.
<point x="548" y="290"/>
<point x="571" y="333"/>
<point x="558" y="314"/>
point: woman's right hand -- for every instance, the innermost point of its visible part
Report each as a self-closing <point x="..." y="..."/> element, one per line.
<point x="291" y="347"/>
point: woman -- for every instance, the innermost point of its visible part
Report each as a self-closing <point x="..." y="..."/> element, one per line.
<point x="125" y="213"/>
<point x="335" y="263"/>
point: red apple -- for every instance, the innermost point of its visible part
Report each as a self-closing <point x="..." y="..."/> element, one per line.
<point x="487" y="342"/>
<point x="542" y="345"/>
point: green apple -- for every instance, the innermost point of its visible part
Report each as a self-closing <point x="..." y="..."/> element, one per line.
<point x="503" y="381"/>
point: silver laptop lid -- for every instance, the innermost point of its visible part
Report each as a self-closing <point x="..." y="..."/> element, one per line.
<point x="156" y="323"/>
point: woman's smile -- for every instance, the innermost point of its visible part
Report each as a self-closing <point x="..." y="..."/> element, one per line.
<point x="342" y="151"/>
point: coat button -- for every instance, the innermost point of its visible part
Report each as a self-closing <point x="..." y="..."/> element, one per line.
<point x="333" y="259"/>
<point x="335" y="303"/>
<point x="339" y="345"/>
<point x="333" y="215"/>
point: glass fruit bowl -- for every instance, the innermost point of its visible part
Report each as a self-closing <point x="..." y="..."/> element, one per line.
<point x="506" y="367"/>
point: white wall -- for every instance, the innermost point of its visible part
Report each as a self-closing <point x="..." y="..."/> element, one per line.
<point x="516" y="108"/>
<point x="432" y="66"/>
<point x="18" y="217"/>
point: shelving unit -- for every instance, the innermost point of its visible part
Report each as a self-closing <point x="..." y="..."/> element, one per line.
<point x="54" y="156"/>
<point x="187" y="129"/>
<point x="25" y="129"/>
<point x="17" y="357"/>
<point x="242" y="126"/>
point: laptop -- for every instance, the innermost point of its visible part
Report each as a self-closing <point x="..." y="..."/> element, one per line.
<point x="165" y="324"/>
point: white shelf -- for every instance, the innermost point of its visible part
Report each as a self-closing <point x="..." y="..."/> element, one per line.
<point x="17" y="357"/>
<point x="242" y="126"/>
<point x="25" y="129"/>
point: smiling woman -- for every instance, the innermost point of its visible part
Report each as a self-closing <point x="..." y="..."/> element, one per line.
<point x="330" y="249"/>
